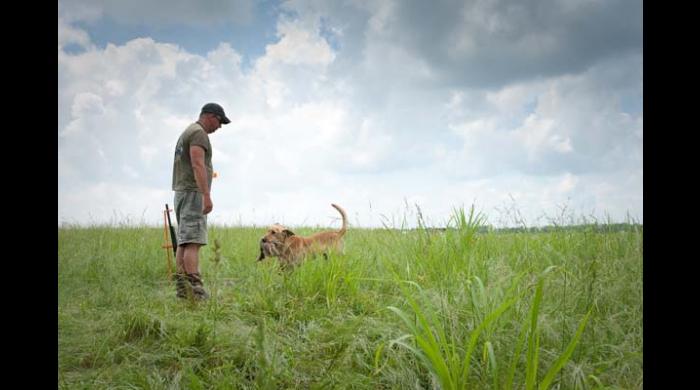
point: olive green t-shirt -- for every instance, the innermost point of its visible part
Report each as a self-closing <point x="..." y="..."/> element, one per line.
<point x="183" y="174"/>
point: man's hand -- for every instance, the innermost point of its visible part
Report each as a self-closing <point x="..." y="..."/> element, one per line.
<point x="208" y="205"/>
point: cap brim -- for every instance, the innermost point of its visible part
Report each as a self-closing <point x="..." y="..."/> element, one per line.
<point x="225" y="120"/>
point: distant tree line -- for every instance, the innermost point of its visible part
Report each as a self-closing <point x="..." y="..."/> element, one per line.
<point x="600" y="228"/>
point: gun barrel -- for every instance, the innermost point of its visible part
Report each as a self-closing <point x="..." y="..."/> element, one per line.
<point x="173" y="236"/>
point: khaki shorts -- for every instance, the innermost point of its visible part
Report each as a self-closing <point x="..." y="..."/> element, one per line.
<point x="191" y="223"/>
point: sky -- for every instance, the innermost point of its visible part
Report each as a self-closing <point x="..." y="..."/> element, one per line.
<point x="398" y="110"/>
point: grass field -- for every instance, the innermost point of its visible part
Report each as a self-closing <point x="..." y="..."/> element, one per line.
<point x="461" y="308"/>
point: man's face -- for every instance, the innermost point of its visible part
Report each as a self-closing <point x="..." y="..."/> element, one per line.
<point x="213" y="122"/>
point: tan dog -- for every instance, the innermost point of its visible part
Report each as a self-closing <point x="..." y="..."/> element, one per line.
<point x="291" y="249"/>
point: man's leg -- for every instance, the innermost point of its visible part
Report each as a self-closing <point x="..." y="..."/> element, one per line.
<point x="187" y="277"/>
<point x="190" y="258"/>
<point x="180" y="259"/>
<point x="191" y="266"/>
<point x="181" y="281"/>
<point x="192" y="231"/>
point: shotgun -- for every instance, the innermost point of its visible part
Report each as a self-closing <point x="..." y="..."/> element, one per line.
<point x="173" y="236"/>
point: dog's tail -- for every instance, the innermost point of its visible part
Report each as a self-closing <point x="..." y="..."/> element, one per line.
<point x="345" y="219"/>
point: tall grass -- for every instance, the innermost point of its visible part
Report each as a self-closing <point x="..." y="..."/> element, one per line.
<point x="463" y="307"/>
<point x="445" y="356"/>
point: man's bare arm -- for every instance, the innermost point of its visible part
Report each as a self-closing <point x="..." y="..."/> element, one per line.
<point x="200" y="176"/>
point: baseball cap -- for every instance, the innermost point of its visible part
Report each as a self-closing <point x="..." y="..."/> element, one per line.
<point x="216" y="109"/>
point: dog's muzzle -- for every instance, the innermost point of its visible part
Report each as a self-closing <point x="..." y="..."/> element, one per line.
<point x="268" y="248"/>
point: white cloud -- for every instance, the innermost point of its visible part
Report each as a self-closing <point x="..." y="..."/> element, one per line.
<point x="539" y="135"/>
<point x="297" y="46"/>
<point x="85" y="104"/>
<point x="68" y="35"/>
<point x="343" y="108"/>
<point x="103" y="202"/>
<point x="551" y="126"/>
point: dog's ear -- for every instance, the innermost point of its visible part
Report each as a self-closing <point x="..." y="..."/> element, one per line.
<point x="288" y="232"/>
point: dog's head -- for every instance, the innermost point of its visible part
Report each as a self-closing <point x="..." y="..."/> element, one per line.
<point x="272" y="242"/>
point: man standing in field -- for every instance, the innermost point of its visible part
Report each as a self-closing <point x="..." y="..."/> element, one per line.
<point x="192" y="176"/>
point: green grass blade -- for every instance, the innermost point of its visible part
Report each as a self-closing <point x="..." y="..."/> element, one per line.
<point x="378" y="358"/>
<point x="549" y="377"/>
<point x="475" y="335"/>
<point x="431" y="346"/>
<point x="438" y="364"/>
<point x="516" y="356"/>
<point x="532" y="345"/>
<point x="492" y="362"/>
<point x="405" y="319"/>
